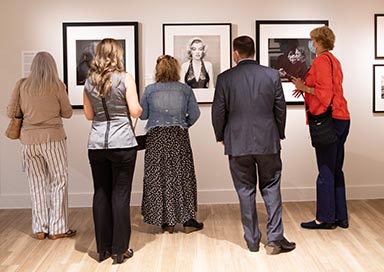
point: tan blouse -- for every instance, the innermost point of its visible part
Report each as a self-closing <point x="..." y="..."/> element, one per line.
<point x="42" y="115"/>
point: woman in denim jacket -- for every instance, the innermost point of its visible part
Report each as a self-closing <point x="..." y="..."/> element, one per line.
<point x="169" y="194"/>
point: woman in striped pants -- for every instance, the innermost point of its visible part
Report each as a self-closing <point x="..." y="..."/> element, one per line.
<point x="44" y="102"/>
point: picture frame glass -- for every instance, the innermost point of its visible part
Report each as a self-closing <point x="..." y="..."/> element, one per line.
<point x="378" y="88"/>
<point x="283" y="45"/>
<point x="209" y="45"/>
<point x="379" y="36"/>
<point x="80" y="41"/>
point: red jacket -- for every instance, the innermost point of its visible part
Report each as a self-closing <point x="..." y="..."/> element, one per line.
<point x="325" y="86"/>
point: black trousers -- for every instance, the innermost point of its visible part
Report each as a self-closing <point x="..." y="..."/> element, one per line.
<point x="112" y="172"/>
<point x="330" y="183"/>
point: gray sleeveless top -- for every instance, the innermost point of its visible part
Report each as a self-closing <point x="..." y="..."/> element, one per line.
<point x="110" y="125"/>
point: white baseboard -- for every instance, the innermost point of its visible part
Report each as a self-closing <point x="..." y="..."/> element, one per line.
<point x="204" y="196"/>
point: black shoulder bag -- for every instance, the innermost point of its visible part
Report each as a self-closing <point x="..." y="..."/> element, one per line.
<point x="321" y="127"/>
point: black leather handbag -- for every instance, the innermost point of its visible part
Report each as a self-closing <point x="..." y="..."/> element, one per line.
<point x="321" y="128"/>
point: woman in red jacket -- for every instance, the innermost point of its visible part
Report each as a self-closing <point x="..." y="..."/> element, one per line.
<point x="322" y="87"/>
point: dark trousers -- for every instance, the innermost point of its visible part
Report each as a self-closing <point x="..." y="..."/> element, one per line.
<point x="330" y="184"/>
<point x="244" y="171"/>
<point x="112" y="172"/>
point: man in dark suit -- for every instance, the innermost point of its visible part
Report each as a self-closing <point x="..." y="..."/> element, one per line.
<point x="248" y="116"/>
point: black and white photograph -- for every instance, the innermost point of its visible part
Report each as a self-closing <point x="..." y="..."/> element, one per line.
<point x="203" y="51"/>
<point x="291" y="57"/>
<point x="85" y="51"/>
<point x="378" y="88"/>
<point x="79" y="44"/>
<point x="379" y="36"/>
<point x="283" y="45"/>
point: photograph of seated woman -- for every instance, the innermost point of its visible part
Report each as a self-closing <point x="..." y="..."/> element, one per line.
<point x="197" y="72"/>
<point x="292" y="62"/>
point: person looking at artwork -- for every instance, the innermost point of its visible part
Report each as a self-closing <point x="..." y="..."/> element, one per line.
<point x="322" y="87"/>
<point x="169" y="193"/>
<point x="248" y="117"/>
<point x="197" y="73"/>
<point x="110" y="99"/>
<point x="44" y="102"/>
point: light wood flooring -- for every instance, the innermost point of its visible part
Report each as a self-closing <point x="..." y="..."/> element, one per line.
<point x="219" y="247"/>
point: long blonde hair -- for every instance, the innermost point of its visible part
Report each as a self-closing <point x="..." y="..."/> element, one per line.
<point x="44" y="78"/>
<point x="107" y="60"/>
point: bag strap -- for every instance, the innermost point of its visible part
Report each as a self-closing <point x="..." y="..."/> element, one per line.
<point x="330" y="103"/>
<point x="18" y="112"/>
<point x="133" y="126"/>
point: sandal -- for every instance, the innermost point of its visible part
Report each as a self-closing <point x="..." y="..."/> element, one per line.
<point x="69" y="233"/>
<point x="119" y="258"/>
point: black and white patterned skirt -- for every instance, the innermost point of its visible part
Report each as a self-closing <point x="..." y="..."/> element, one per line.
<point x="169" y="194"/>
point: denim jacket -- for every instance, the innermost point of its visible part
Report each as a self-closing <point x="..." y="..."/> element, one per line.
<point x="169" y="104"/>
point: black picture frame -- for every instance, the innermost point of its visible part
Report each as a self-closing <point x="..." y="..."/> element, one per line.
<point x="79" y="40"/>
<point x="273" y="41"/>
<point x="379" y="36"/>
<point x="216" y="40"/>
<point x="378" y="88"/>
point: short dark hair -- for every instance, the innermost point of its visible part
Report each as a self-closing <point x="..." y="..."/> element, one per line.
<point x="244" y="45"/>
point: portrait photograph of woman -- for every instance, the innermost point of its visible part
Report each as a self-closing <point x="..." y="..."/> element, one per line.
<point x="200" y="60"/>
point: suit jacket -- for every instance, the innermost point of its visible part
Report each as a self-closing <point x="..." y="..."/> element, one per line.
<point x="249" y="109"/>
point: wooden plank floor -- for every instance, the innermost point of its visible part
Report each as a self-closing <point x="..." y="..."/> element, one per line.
<point x="219" y="247"/>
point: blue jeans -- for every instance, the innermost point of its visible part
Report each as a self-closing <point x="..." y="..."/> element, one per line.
<point x="330" y="184"/>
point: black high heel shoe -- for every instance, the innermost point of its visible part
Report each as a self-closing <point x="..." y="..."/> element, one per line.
<point x="192" y="225"/>
<point x="169" y="228"/>
<point x="119" y="258"/>
<point x="104" y="255"/>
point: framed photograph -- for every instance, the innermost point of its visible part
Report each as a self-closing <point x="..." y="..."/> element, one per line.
<point x="378" y="88"/>
<point x="79" y="43"/>
<point x="283" y="45"/>
<point x="379" y="36"/>
<point x="203" y="50"/>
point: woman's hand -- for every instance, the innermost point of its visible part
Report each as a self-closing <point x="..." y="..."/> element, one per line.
<point x="300" y="86"/>
<point x="299" y="83"/>
<point x="296" y="93"/>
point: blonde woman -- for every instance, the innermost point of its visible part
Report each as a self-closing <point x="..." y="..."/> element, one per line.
<point x="109" y="98"/>
<point x="44" y="102"/>
<point x="197" y="72"/>
<point x="323" y="86"/>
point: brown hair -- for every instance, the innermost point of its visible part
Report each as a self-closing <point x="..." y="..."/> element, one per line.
<point x="108" y="59"/>
<point x="167" y="69"/>
<point x="325" y="36"/>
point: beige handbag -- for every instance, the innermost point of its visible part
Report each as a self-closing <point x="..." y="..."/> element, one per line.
<point x="14" y="127"/>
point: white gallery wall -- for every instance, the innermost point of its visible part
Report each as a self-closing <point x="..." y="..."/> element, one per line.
<point x="37" y="25"/>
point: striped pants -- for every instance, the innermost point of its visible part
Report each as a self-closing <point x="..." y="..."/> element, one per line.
<point x="46" y="166"/>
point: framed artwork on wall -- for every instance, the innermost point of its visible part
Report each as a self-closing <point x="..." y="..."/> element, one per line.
<point x="378" y="88"/>
<point x="379" y="36"/>
<point x="283" y="45"/>
<point x="79" y="44"/>
<point x="203" y="51"/>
